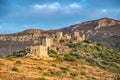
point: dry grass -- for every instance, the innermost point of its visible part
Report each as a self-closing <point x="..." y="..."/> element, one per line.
<point x="30" y="69"/>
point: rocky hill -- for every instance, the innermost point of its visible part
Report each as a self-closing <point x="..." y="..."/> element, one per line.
<point x="105" y="30"/>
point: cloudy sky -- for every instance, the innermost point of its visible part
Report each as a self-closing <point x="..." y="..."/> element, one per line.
<point x="18" y="15"/>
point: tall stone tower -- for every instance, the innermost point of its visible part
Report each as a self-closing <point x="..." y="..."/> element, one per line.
<point x="83" y="37"/>
<point x="59" y="35"/>
<point x="47" y="42"/>
<point x="76" y="34"/>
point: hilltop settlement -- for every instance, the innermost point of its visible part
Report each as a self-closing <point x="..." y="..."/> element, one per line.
<point x="41" y="47"/>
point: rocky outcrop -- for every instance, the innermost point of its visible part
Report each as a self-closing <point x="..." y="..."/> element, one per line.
<point x="105" y="22"/>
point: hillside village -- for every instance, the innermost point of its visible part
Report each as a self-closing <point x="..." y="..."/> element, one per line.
<point x="41" y="47"/>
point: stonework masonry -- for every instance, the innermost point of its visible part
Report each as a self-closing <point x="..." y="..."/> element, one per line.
<point x="39" y="51"/>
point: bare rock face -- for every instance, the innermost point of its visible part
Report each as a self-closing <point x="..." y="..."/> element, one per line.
<point x="105" y="22"/>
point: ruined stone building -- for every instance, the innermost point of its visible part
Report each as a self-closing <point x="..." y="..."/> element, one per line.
<point x="67" y="36"/>
<point x="76" y="36"/>
<point x="83" y="37"/>
<point x="41" y="50"/>
<point x="59" y="36"/>
<point x="47" y="42"/>
<point x="38" y="51"/>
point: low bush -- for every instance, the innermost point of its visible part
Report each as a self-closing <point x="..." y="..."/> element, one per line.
<point x="53" y="53"/>
<point x="19" y="54"/>
<point x="69" y="57"/>
<point x="46" y="73"/>
<point x="58" y="59"/>
<point x="64" y="69"/>
<point x="18" y="62"/>
<point x="39" y="68"/>
<point x="91" y="61"/>
<point x="53" y="72"/>
<point x="83" y="73"/>
<point x="42" y="78"/>
<point x="54" y="65"/>
<point x="74" y="74"/>
<point x="70" y="45"/>
<point x="87" y="41"/>
<point x="15" y="69"/>
<point x="78" y="56"/>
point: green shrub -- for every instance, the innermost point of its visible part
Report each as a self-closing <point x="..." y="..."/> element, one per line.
<point x="53" y="53"/>
<point x="58" y="59"/>
<point x="74" y="74"/>
<point x="18" y="62"/>
<point x="83" y="73"/>
<point x="99" y="44"/>
<point x="87" y="41"/>
<point x="54" y="65"/>
<point x="46" y="74"/>
<point x="78" y="56"/>
<point x="97" y="48"/>
<point x="53" y="72"/>
<point x="71" y="45"/>
<point x="64" y="69"/>
<point x="96" y="54"/>
<point x="91" y="61"/>
<point x="42" y="78"/>
<point x="39" y="68"/>
<point x="69" y="57"/>
<point x="19" y="54"/>
<point x="15" y="69"/>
